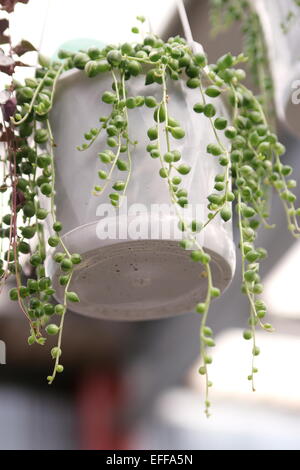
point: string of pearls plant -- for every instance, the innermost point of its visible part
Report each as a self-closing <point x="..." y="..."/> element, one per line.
<point x="251" y="162"/>
<point x="223" y="14"/>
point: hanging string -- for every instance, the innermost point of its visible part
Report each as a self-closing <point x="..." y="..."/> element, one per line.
<point x="150" y="28"/>
<point x="42" y="37"/>
<point x="185" y="21"/>
<point x="195" y="46"/>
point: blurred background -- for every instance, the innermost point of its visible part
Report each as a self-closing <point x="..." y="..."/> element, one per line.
<point x="135" y="385"/>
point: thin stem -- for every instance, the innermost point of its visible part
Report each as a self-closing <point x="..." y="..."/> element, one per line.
<point x="195" y="242"/>
<point x="35" y="95"/>
<point x="60" y="333"/>
<point x="127" y="139"/>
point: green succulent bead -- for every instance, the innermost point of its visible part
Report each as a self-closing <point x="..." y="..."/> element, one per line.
<point x="76" y="258"/>
<point x="94" y="52"/>
<point x="215" y="292"/>
<point x="209" y="110"/>
<point x="226" y="214"/>
<point x="56" y="352"/>
<point x="140" y="100"/>
<point x="6" y="219"/>
<point x="24" y="247"/>
<point x="212" y="91"/>
<point x="111" y="142"/>
<point x="252" y="256"/>
<point x="122" y="165"/>
<point x="200" y="59"/>
<point x="160" y="114"/>
<point x="66" y="264"/>
<point x="105" y="157"/>
<point x="197" y="255"/>
<point x="103" y="66"/>
<point x="150" y="102"/>
<point x="25" y="130"/>
<point x="177" y="132"/>
<point x="44" y="160"/>
<point x="196" y="226"/>
<point x="249" y="276"/>
<point x="192" y="71"/>
<point x="108" y="97"/>
<point x="230" y="132"/>
<point x="58" y="257"/>
<point x="152" y="133"/>
<point x="13" y="294"/>
<point x="41" y="213"/>
<point x="214" y="149"/>
<point x="41" y="136"/>
<point x="248" y="211"/>
<point x="49" y="309"/>
<point x="44" y="283"/>
<point x="32" y="285"/>
<point x="46" y="189"/>
<point x="63" y="280"/>
<point x="59" y="309"/>
<point x="57" y="226"/>
<point x="53" y="241"/>
<point x="183" y="169"/>
<point x="176" y="155"/>
<point x="130" y="103"/>
<point x="134" y="68"/>
<point x="155" y="153"/>
<point x="219" y="186"/>
<point x="176" y="180"/>
<point x="220" y="123"/>
<point x="119" y="185"/>
<point x="193" y="83"/>
<point x="91" y="68"/>
<point x="209" y="342"/>
<point x="247" y="335"/>
<point x="163" y="172"/>
<point x="29" y="209"/>
<point x="52" y="329"/>
<point x="35" y="259"/>
<point x="168" y="157"/>
<point x="114" y="57"/>
<point x="199" y="108"/>
<point x="72" y="297"/>
<point x="22" y="184"/>
<point x="207" y="331"/>
<point x="26" y="92"/>
<point x="201" y="308"/>
<point x="80" y="59"/>
<point x="28" y="232"/>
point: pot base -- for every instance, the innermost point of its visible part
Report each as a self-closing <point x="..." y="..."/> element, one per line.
<point x="141" y="280"/>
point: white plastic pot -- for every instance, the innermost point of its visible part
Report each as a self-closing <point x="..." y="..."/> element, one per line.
<point x="8" y="308"/>
<point x="284" y="58"/>
<point x="133" y="279"/>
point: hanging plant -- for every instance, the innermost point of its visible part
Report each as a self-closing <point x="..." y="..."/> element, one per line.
<point x="246" y="148"/>
<point x="267" y="29"/>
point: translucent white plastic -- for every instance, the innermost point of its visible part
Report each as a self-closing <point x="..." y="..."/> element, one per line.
<point x="283" y="52"/>
<point x="133" y="279"/>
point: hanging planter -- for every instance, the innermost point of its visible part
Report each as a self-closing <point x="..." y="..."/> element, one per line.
<point x="280" y="25"/>
<point x="125" y="274"/>
<point x="140" y="126"/>
<point x="270" y="42"/>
